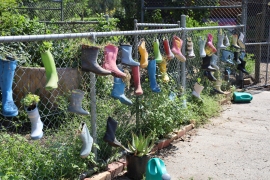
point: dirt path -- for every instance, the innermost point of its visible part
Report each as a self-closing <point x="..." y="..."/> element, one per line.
<point x="234" y="146"/>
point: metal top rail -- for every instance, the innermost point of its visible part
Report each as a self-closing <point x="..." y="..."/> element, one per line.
<point x="157" y="25"/>
<point x="193" y="7"/>
<point x="26" y="38"/>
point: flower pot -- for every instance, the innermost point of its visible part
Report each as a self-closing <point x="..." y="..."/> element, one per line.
<point x="36" y="123"/>
<point x="136" y="166"/>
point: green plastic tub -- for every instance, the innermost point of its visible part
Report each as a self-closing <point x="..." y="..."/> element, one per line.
<point x="242" y="97"/>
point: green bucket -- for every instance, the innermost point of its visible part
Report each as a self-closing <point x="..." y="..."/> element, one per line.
<point x="242" y="97"/>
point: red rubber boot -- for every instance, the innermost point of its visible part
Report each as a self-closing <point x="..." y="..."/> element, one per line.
<point x="137" y="81"/>
<point x="176" y="50"/>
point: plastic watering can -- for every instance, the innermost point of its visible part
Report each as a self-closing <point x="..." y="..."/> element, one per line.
<point x="156" y="170"/>
<point x="242" y="97"/>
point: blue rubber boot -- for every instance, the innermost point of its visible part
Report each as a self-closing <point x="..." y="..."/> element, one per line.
<point x="118" y="91"/>
<point x="227" y="56"/>
<point x="152" y="76"/>
<point x="7" y="69"/>
<point x="126" y="51"/>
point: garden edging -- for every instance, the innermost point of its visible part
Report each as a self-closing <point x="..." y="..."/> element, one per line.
<point x="117" y="167"/>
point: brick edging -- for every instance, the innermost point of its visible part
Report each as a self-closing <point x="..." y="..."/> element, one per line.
<point x="117" y="167"/>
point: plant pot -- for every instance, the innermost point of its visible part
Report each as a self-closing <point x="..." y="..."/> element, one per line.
<point x="136" y="166"/>
<point x="36" y="123"/>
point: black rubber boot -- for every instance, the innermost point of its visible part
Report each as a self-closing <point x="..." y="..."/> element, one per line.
<point x="109" y="136"/>
<point x="209" y="75"/>
<point x="241" y="67"/>
<point x="206" y="64"/>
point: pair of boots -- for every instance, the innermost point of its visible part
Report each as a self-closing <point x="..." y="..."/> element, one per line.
<point x="241" y="66"/>
<point x="7" y="70"/>
<point x="223" y="40"/>
<point x="210" y="65"/>
<point x="238" y="40"/>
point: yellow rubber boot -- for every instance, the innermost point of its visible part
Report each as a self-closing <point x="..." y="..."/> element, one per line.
<point x="144" y="55"/>
<point x="163" y="70"/>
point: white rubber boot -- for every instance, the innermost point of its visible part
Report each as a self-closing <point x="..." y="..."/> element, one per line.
<point x="202" y="43"/>
<point x="197" y="90"/>
<point x="220" y="44"/>
<point x="86" y="139"/>
<point x="226" y="40"/>
<point x="241" y="41"/>
<point x="36" y="124"/>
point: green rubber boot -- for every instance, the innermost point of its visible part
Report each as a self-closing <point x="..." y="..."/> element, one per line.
<point x="50" y="69"/>
<point x="157" y="53"/>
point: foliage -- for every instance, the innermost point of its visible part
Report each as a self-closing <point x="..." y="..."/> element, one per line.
<point x="250" y="63"/>
<point x="30" y="100"/>
<point x="141" y="145"/>
<point x="45" y="46"/>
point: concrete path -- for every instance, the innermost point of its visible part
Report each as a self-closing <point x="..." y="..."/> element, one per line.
<point x="234" y="146"/>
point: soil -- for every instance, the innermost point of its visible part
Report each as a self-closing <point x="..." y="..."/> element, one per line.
<point x="233" y="146"/>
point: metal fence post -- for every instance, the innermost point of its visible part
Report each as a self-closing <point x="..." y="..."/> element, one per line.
<point x="183" y="64"/>
<point x="62" y="10"/>
<point x="93" y="106"/>
<point x="142" y="11"/>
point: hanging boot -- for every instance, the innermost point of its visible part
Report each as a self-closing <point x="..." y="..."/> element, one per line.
<point x="213" y="61"/>
<point x="190" y="50"/>
<point x="220" y="44"/>
<point x="209" y="75"/>
<point x="118" y="91"/>
<point x="202" y="46"/>
<point x="234" y="41"/>
<point x="137" y="80"/>
<point x="177" y="47"/>
<point x="227" y="56"/>
<point x="144" y="54"/>
<point x="227" y="73"/>
<point x="163" y="70"/>
<point x="197" y="90"/>
<point x="241" y="40"/>
<point x="152" y="76"/>
<point x="7" y="70"/>
<point x="226" y="40"/>
<point x="110" y="55"/>
<point x="109" y="136"/>
<point x="86" y="139"/>
<point x="89" y="61"/>
<point x="75" y="105"/>
<point x="206" y="64"/>
<point x="157" y="53"/>
<point x="50" y="70"/>
<point x="242" y="65"/>
<point x="218" y="84"/>
<point x="126" y="51"/>
<point x="167" y="49"/>
<point x="236" y="57"/>
<point x="210" y="48"/>
<point x="36" y="124"/>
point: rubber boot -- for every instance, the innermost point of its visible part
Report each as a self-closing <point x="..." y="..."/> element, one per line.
<point x="157" y="53"/>
<point x="167" y="49"/>
<point x="190" y="50"/>
<point x="209" y="75"/>
<point x="152" y="76"/>
<point x="7" y="70"/>
<point x="110" y="55"/>
<point x="241" y="41"/>
<point x="218" y="84"/>
<point x="137" y="80"/>
<point x="89" y="61"/>
<point x="126" y="57"/>
<point x="210" y="48"/>
<point x="234" y="41"/>
<point x="220" y="44"/>
<point x="206" y="64"/>
<point x="163" y="70"/>
<point x="118" y="91"/>
<point x="226" y="40"/>
<point x="241" y="66"/>
<point x="227" y="56"/>
<point x="236" y="57"/>
<point x="227" y="73"/>
<point x="197" y="90"/>
<point x="86" y="139"/>
<point x="109" y="136"/>
<point x="213" y="61"/>
<point x="36" y="124"/>
<point x="202" y="43"/>
<point x="144" y="55"/>
<point x="50" y="70"/>
<point x="75" y="105"/>
<point x="177" y="47"/>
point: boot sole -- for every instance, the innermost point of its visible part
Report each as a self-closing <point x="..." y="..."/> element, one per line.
<point x="10" y="115"/>
<point x="37" y="137"/>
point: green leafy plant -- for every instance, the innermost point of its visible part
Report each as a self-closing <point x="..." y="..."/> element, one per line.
<point x="45" y="46"/>
<point x="30" y="101"/>
<point x="141" y="145"/>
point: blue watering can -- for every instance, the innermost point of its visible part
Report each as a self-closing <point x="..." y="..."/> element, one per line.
<point x="156" y="170"/>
